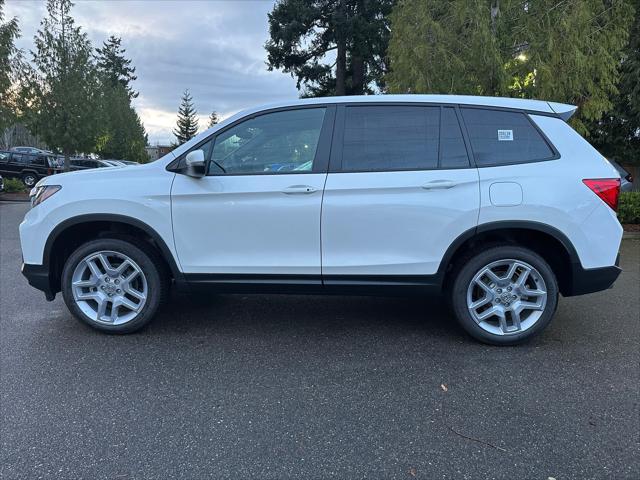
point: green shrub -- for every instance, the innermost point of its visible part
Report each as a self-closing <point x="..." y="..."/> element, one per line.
<point x="629" y="207"/>
<point x="13" y="185"/>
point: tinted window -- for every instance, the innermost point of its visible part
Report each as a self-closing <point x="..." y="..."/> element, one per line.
<point x="499" y="137"/>
<point x="18" y="158"/>
<point x="453" y="153"/>
<point x="276" y="142"/>
<point x="390" y="138"/>
<point x="4" y="157"/>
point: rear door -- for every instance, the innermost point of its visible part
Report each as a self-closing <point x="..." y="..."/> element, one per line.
<point x="400" y="190"/>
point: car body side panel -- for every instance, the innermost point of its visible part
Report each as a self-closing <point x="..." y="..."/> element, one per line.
<point x="386" y="223"/>
<point x="553" y="193"/>
<point x="142" y="193"/>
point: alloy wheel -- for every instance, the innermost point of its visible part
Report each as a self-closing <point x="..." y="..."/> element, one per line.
<point x="506" y="297"/>
<point x="109" y="287"/>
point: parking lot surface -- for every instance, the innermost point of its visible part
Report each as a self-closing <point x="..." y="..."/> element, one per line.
<point x="277" y="387"/>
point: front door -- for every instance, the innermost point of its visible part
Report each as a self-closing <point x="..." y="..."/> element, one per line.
<point x="256" y="214"/>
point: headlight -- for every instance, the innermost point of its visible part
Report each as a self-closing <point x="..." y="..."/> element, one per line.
<point x="41" y="193"/>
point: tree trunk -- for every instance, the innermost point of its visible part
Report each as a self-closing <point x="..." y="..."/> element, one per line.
<point x="341" y="54"/>
<point x="357" y="75"/>
<point x="341" y="69"/>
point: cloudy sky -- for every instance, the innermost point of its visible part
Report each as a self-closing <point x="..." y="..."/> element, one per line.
<point x="213" y="47"/>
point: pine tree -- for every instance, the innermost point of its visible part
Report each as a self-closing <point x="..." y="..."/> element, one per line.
<point x="61" y="91"/>
<point x="115" y="66"/>
<point x="562" y="51"/>
<point x="122" y="135"/>
<point x="9" y="32"/>
<point x="187" y="124"/>
<point x="617" y="134"/>
<point x="304" y="35"/>
<point x="213" y="119"/>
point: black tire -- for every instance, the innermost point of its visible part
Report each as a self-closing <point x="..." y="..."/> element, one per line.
<point x="29" y="179"/>
<point x="149" y="262"/>
<point x="472" y="264"/>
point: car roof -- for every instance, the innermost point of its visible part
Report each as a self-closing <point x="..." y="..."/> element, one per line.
<point x="500" y="102"/>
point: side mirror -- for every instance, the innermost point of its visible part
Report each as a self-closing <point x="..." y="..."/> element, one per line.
<point x="195" y="164"/>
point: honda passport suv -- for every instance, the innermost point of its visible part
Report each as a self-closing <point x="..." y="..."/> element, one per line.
<point x="497" y="203"/>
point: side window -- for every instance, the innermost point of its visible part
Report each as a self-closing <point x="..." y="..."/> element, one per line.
<point x="17" y="158"/>
<point x="390" y="138"/>
<point x="4" y="157"/>
<point x="453" y="153"/>
<point x="501" y="138"/>
<point x="277" y="142"/>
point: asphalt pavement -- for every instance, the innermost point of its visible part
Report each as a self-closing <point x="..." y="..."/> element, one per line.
<point x="279" y="387"/>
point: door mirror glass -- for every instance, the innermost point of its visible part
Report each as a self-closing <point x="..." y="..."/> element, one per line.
<point x="195" y="164"/>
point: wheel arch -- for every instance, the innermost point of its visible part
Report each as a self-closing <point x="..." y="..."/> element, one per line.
<point x="74" y="231"/>
<point x="547" y="241"/>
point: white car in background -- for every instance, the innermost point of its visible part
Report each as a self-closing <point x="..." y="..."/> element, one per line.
<point x="497" y="203"/>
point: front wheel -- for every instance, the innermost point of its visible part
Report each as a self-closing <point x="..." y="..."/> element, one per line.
<point x="113" y="286"/>
<point x="504" y="295"/>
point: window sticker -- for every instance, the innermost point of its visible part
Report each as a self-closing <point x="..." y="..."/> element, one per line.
<point x="505" y="135"/>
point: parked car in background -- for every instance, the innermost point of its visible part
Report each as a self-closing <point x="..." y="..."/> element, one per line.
<point x="626" y="179"/>
<point x="128" y="162"/>
<point x="496" y="202"/>
<point x="87" y="163"/>
<point x="115" y="163"/>
<point x="1" y="184"/>
<point x="28" y="167"/>
<point x="30" y="150"/>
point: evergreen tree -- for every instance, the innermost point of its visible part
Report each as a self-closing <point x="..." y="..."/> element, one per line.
<point x="187" y="124"/>
<point x="122" y="135"/>
<point x="617" y="134"/>
<point x="115" y="66"/>
<point x="562" y="51"/>
<point x="61" y="90"/>
<point x="9" y="32"/>
<point x="331" y="47"/>
<point x="213" y="119"/>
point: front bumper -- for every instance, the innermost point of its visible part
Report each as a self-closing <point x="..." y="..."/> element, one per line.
<point x="38" y="277"/>
<point x="590" y="280"/>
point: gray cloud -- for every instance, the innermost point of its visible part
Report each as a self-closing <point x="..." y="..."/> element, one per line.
<point x="214" y="48"/>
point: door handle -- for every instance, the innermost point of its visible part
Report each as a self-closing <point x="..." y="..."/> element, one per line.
<point x="299" y="189"/>
<point x="439" y="185"/>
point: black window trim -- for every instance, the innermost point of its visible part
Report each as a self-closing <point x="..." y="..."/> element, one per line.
<point x="335" y="163"/>
<point x="527" y="114"/>
<point x="323" y="150"/>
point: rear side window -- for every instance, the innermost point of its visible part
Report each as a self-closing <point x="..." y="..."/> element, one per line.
<point x="503" y="138"/>
<point x="390" y="138"/>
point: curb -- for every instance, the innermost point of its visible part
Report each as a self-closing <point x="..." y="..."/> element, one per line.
<point x="631" y="235"/>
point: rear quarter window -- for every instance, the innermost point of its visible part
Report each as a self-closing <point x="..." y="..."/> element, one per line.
<point x="503" y="138"/>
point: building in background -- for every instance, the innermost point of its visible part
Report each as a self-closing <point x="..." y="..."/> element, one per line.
<point x="157" y="151"/>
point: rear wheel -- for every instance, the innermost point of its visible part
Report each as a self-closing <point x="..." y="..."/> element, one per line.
<point x="504" y="295"/>
<point x="29" y="179"/>
<point x="113" y="286"/>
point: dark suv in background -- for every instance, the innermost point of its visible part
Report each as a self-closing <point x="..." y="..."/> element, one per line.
<point x="29" y="167"/>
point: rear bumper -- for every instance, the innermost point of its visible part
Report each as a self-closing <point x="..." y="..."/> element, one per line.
<point x="38" y="277"/>
<point x="590" y="280"/>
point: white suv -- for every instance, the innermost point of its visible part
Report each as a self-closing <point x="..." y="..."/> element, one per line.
<point x="496" y="202"/>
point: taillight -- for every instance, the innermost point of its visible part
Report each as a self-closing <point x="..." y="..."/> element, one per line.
<point x="608" y="189"/>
